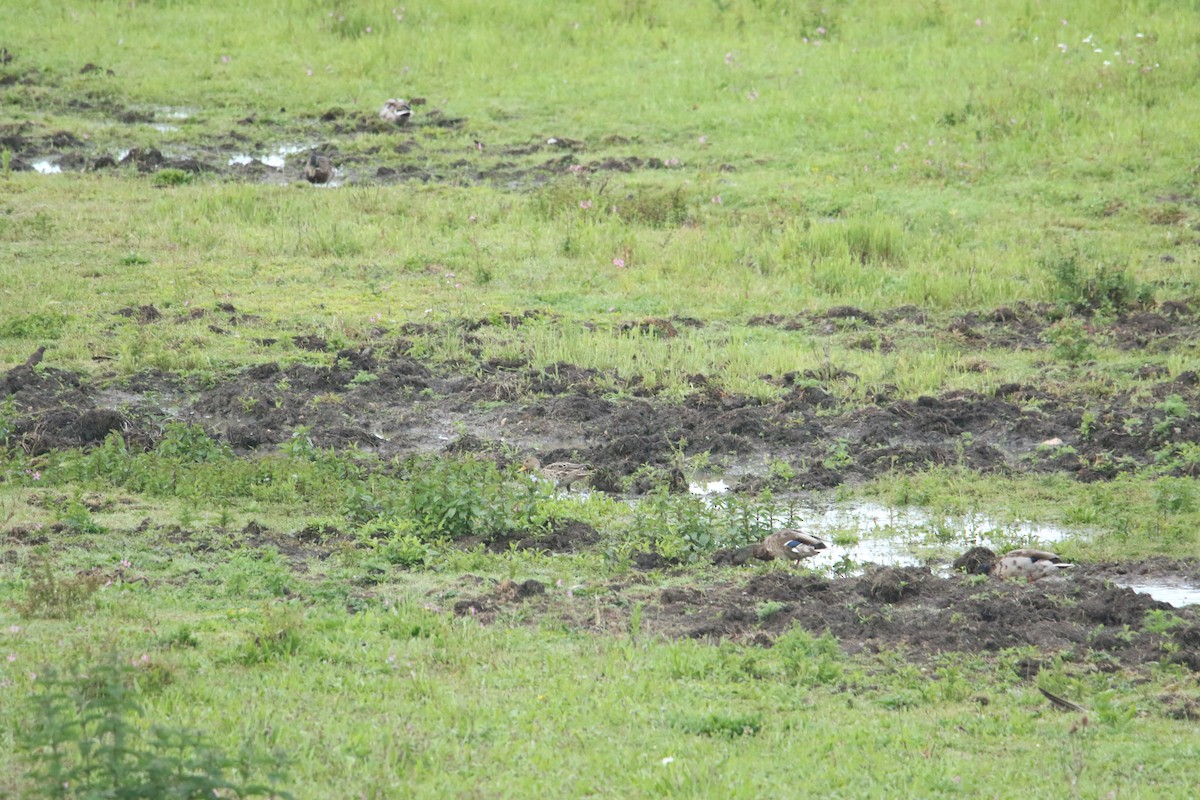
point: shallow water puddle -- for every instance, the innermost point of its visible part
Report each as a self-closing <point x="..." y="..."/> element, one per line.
<point x="46" y="166"/>
<point x="276" y="159"/>
<point x="868" y="532"/>
<point x="1176" y="593"/>
<point x="864" y="532"/>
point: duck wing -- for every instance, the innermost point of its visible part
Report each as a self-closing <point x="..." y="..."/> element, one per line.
<point x="1035" y="555"/>
<point x="793" y="535"/>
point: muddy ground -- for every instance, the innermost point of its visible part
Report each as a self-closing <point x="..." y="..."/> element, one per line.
<point x="563" y="412"/>
<point x="510" y="410"/>
<point x="274" y="145"/>
<point x="1086" y="619"/>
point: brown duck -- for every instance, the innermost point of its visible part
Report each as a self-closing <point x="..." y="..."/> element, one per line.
<point x="563" y="473"/>
<point x="1025" y="564"/>
<point x="318" y="169"/>
<point x="789" y="544"/>
<point x="396" y="111"/>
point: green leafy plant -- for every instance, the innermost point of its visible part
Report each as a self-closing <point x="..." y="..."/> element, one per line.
<point x="75" y="516"/>
<point x="1175" y="495"/>
<point x="721" y="724"/>
<point x="837" y="455"/>
<point x="39" y="325"/>
<point x="51" y="596"/>
<point x="84" y="739"/>
<point x="768" y="609"/>
<point x="1069" y="340"/>
<point x="279" y="636"/>
<point x="172" y="177"/>
<point x="1102" y="288"/>
<point x="808" y="660"/>
<point x="1174" y="411"/>
<point x="190" y="443"/>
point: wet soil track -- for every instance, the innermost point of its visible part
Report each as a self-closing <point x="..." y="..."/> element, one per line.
<point x="1087" y="619"/>
<point x="567" y="412"/>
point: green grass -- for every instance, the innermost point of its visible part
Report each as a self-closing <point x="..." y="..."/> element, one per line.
<point x="935" y="155"/>
<point x="400" y="699"/>
<point x="914" y="157"/>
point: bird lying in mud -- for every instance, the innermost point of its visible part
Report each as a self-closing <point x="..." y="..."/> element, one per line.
<point x="318" y="169"/>
<point x="789" y="544"/>
<point x="396" y="112"/>
<point x="1025" y="564"/>
<point x="564" y="473"/>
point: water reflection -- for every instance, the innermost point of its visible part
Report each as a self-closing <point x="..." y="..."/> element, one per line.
<point x="865" y="532"/>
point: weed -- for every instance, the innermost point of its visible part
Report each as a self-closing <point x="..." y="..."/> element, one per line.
<point x="300" y="444"/>
<point x="84" y="738"/>
<point x="75" y="516"/>
<point x="191" y="444"/>
<point x="182" y="637"/>
<point x="405" y="551"/>
<point x="769" y="609"/>
<point x="1101" y="289"/>
<point x="469" y="496"/>
<point x="279" y="636"/>
<point x="49" y="596"/>
<point x="1070" y="340"/>
<point x="837" y="455"/>
<point x="720" y="724"/>
<point x="39" y="325"/>
<point x="781" y="470"/>
<point x="1175" y="495"/>
<point x="1160" y="621"/>
<point x="808" y="660"/>
<point x="1087" y="424"/>
<point x="172" y="177"/>
<point x="1174" y="410"/>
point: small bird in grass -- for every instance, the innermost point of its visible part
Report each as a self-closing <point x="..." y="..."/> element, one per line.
<point x="564" y="473"/>
<point x="1062" y="703"/>
<point x="1025" y="564"/>
<point x="36" y="358"/>
<point x="790" y="544"/>
<point x="318" y="168"/>
<point x="396" y="111"/>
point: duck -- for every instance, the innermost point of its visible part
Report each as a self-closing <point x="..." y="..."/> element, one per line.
<point x="563" y="473"/>
<point x="318" y="169"/>
<point x="396" y="111"/>
<point x="1026" y="564"/>
<point x="789" y="544"/>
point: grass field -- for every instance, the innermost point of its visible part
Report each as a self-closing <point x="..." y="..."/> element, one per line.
<point x="265" y="526"/>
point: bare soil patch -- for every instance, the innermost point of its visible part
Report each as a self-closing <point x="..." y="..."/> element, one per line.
<point x="1086" y="618"/>
<point x="564" y="412"/>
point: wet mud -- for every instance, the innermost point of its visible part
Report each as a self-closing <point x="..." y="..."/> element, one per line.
<point x="1086" y="619"/>
<point x="508" y="410"/>
<point x="273" y="146"/>
<point x="567" y="413"/>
